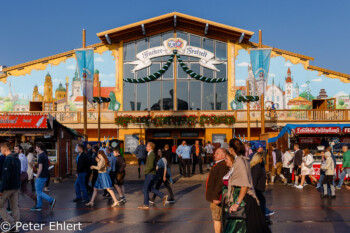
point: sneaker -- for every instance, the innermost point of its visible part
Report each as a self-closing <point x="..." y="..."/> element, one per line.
<point x="123" y="199"/>
<point x="338" y="187"/>
<point x="143" y="207"/>
<point x="9" y="211"/>
<point x="35" y="208"/>
<point x="269" y="213"/>
<point x="52" y="204"/>
<point x="77" y="200"/>
<point x="151" y="202"/>
<point x="46" y="190"/>
<point x="170" y="202"/>
<point x="299" y="187"/>
<point x="165" y="199"/>
<point x="84" y="201"/>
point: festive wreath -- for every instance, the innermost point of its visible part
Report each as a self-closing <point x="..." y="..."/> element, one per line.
<point x="248" y="98"/>
<point x="192" y="74"/>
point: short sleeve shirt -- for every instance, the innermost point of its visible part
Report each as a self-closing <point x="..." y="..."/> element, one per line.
<point x="43" y="159"/>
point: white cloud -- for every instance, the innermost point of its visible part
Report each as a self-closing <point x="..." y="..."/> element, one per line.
<point x="272" y="75"/>
<point x="288" y="64"/>
<point x="106" y="83"/>
<point x="240" y="81"/>
<point x="341" y="93"/>
<point x="317" y="79"/>
<point x="56" y="81"/>
<point x="103" y="75"/>
<point x="99" y="59"/>
<point x="41" y="89"/>
<point x="243" y="64"/>
<point x="71" y="67"/>
<point x="304" y="85"/>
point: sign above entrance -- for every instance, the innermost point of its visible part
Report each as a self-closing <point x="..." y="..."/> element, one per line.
<point x="144" y="57"/>
<point x="346" y="130"/>
<point x="317" y="130"/>
<point x="23" y="122"/>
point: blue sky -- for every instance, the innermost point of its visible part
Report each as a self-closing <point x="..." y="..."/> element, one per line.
<point x="317" y="28"/>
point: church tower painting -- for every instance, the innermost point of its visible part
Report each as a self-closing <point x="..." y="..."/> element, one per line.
<point x="48" y="94"/>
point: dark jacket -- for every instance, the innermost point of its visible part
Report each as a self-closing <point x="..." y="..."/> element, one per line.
<point x="2" y="161"/>
<point x="168" y="154"/>
<point x="298" y="158"/>
<point x="11" y="174"/>
<point x="193" y="150"/>
<point x="120" y="165"/>
<point x="214" y="182"/>
<point x="84" y="163"/>
<point x="141" y="152"/>
<point x="151" y="164"/>
<point x="259" y="177"/>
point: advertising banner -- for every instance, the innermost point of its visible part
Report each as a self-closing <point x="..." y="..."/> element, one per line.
<point x="23" y="122"/>
<point x="85" y="62"/>
<point x="317" y="130"/>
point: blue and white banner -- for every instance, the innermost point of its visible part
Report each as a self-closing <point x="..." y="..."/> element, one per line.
<point x="260" y="61"/>
<point x="85" y="62"/>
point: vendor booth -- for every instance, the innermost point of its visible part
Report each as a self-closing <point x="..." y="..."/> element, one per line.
<point x="27" y="130"/>
<point x="315" y="137"/>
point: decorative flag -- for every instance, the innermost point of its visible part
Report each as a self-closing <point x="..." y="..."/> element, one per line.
<point x="260" y="61"/>
<point x="85" y="61"/>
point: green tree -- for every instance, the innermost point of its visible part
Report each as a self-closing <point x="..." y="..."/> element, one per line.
<point x="307" y="95"/>
<point x="8" y="106"/>
<point x="341" y="102"/>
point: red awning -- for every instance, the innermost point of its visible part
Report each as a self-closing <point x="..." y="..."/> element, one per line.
<point x="23" y="121"/>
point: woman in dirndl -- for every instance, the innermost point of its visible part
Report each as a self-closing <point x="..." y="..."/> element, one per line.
<point x="239" y="192"/>
<point x="103" y="180"/>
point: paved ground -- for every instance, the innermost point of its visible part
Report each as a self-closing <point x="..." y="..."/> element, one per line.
<point x="296" y="210"/>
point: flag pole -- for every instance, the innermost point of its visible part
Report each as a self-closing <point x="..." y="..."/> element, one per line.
<point x="84" y="97"/>
<point x="262" y="95"/>
<point x="99" y="114"/>
<point x="248" y="113"/>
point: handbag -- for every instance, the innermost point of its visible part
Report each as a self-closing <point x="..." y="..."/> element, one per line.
<point x="239" y="214"/>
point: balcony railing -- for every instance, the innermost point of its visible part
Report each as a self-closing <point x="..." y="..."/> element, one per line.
<point x="279" y="116"/>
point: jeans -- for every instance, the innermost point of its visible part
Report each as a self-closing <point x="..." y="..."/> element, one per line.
<point x="170" y="175"/>
<point x="342" y="176"/>
<point x="80" y="186"/>
<point x="148" y="186"/>
<point x="39" y="186"/>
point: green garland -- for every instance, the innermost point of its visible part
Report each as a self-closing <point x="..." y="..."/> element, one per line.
<point x="190" y="72"/>
<point x="248" y="98"/>
<point x="195" y="75"/>
<point x="154" y="76"/>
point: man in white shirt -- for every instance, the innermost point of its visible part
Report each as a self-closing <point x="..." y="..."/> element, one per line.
<point x="287" y="168"/>
<point x="24" y="174"/>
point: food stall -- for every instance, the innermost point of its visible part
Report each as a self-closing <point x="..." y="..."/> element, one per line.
<point x="316" y="137"/>
<point x="28" y="129"/>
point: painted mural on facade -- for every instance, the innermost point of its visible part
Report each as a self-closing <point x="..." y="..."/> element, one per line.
<point x="289" y="86"/>
<point x="59" y="87"/>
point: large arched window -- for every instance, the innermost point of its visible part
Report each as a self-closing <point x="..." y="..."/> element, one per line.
<point x="191" y="94"/>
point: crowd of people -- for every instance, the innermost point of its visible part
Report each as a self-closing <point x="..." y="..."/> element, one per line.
<point x="235" y="185"/>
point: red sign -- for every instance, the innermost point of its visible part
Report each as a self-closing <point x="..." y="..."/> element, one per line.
<point x="317" y="130"/>
<point x="345" y="140"/>
<point x="346" y="130"/>
<point x="23" y="122"/>
<point x="309" y="141"/>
